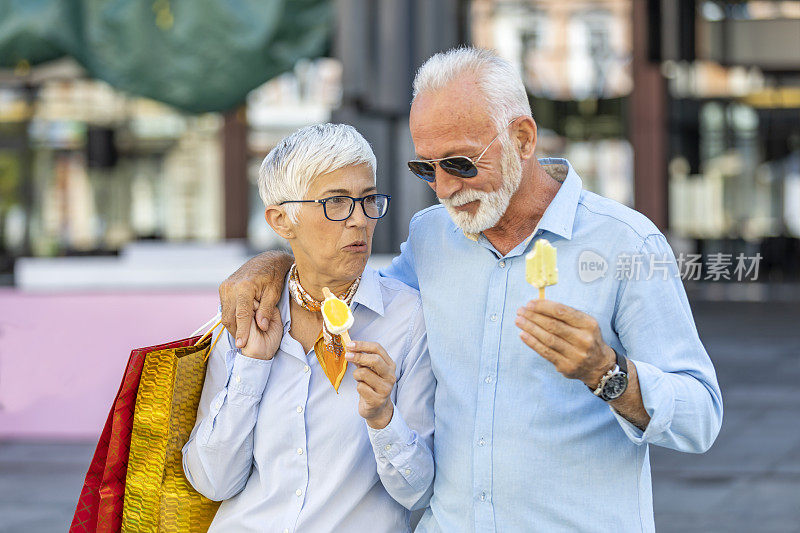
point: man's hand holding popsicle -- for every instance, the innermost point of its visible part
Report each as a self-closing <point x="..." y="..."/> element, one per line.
<point x="568" y="338"/>
<point x="375" y="370"/>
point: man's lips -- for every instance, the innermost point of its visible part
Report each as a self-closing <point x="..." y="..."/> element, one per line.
<point x="467" y="206"/>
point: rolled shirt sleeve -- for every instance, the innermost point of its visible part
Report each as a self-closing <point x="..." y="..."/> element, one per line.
<point x="657" y="332"/>
<point x="219" y="454"/>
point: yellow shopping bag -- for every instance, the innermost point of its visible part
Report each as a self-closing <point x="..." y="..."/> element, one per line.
<point x="158" y="498"/>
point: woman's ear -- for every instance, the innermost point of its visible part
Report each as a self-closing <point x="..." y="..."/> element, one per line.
<point x="526" y="137"/>
<point x="279" y="221"/>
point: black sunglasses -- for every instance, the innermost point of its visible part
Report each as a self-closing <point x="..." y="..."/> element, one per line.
<point x="338" y="208"/>
<point x="459" y="165"/>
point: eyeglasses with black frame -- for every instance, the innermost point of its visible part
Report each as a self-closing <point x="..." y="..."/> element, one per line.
<point x="340" y="207"/>
<point x="460" y="166"/>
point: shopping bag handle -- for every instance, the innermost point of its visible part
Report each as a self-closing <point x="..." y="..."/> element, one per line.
<point x="210" y="331"/>
<point x="213" y="319"/>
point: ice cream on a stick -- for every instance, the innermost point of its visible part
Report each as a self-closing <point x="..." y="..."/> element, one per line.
<point x="337" y="315"/>
<point x="541" y="268"/>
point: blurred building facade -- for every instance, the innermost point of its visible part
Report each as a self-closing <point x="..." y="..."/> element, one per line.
<point x="715" y="163"/>
<point x="688" y="111"/>
<point x="86" y="169"/>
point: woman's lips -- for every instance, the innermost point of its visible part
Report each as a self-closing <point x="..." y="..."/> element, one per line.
<point x="358" y="247"/>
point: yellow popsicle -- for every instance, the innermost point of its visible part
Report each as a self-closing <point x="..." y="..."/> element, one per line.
<point x="337" y="315"/>
<point x="541" y="267"/>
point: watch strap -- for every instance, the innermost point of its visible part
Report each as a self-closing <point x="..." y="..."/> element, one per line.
<point x="622" y="362"/>
<point x="621" y="367"/>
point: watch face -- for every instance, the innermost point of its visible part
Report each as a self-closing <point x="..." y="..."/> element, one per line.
<point x="615" y="386"/>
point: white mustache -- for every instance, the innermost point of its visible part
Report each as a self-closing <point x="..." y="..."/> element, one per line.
<point x="463" y="197"/>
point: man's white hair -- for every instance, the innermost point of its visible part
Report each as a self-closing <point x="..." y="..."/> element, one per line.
<point x="498" y="80"/>
<point x="289" y="169"/>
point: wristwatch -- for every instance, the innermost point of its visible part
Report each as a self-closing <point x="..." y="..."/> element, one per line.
<point x="614" y="382"/>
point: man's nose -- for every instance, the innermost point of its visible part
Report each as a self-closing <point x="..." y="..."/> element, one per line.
<point x="446" y="185"/>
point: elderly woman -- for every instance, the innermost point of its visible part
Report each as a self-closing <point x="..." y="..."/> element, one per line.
<point x="296" y="431"/>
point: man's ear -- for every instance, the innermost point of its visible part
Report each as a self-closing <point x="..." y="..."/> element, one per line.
<point x="279" y="221"/>
<point x="525" y="132"/>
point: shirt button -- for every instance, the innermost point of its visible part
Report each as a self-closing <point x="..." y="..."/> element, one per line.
<point x="387" y="447"/>
<point x="483" y="496"/>
<point x="306" y="368"/>
<point x="286" y="530"/>
<point x="488" y="379"/>
<point x="299" y="408"/>
<point x="502" y="264"/>
<point x="481" y="441"/>
<point x="299" y="451"/>
<point x="238" y="378"/>
<point x="493" y="317"/>
<point x="298" y="492"/>
<point x="219" y="404"/>
<point x="408" y="471"/>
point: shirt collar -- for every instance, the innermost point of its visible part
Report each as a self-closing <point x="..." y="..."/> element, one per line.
<point x="283" y="306"/>
<point x="368" y="294"/>
<point x="559" y="217"/>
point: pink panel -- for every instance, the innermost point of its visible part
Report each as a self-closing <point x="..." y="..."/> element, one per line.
<point x="62" y="355"/>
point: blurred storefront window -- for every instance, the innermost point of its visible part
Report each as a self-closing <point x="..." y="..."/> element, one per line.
<point x="108" y="169"/>
<point x="732" y="123"/>
<point x="575" y="59"/>
<point x="734" y="162"/>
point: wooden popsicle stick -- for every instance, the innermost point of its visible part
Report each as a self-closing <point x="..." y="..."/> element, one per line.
<point x="345" y="338"/>
<point x="326" y="292"/>
<point x="541" y="293"/>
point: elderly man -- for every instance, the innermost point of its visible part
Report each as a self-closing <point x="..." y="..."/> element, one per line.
<point x="544" y="409"/>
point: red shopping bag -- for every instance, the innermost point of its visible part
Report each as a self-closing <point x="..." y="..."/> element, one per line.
<point x="100" y="504"/>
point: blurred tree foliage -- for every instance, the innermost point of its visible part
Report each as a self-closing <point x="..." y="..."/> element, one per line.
<point x="197" y="55"/>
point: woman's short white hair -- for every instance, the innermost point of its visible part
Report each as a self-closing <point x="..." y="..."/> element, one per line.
<point x="289" y="169"/>
<point x="499" y="81"/>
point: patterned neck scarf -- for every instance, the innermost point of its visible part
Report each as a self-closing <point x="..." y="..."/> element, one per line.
<point x="328" y="347"/>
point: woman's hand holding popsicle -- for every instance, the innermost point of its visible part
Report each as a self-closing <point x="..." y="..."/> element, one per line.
<point x="375" y="378"/>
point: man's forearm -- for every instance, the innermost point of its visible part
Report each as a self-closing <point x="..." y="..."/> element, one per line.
<point x="272" y="263"/>
<point x="630" y="405"/>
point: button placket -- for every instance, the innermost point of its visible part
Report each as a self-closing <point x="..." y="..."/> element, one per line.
<point x="484" y="419"/>
<point x="300" y="400"/>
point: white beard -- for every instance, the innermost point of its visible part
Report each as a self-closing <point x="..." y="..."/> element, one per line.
<point x="493" y="205"/>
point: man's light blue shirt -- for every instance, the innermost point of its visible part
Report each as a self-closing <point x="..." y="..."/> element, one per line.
<point x="287" y="453"/>
<point x="519" y="447"/>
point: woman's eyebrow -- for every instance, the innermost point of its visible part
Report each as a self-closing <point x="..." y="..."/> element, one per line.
<point x="346" y="192"/>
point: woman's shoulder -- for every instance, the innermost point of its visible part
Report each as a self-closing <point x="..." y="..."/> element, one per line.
<point x="392" y="288"/>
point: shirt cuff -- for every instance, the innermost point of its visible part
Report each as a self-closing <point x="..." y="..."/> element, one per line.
<point x="248" y="376"/>
<point x="396" y="444"/>
<point x="658" y="397"/>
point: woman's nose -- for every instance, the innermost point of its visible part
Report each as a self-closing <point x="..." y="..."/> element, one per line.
<point x="357" y="218"/>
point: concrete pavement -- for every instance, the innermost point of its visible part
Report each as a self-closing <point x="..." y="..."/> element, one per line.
<point x="749" y="480"/>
